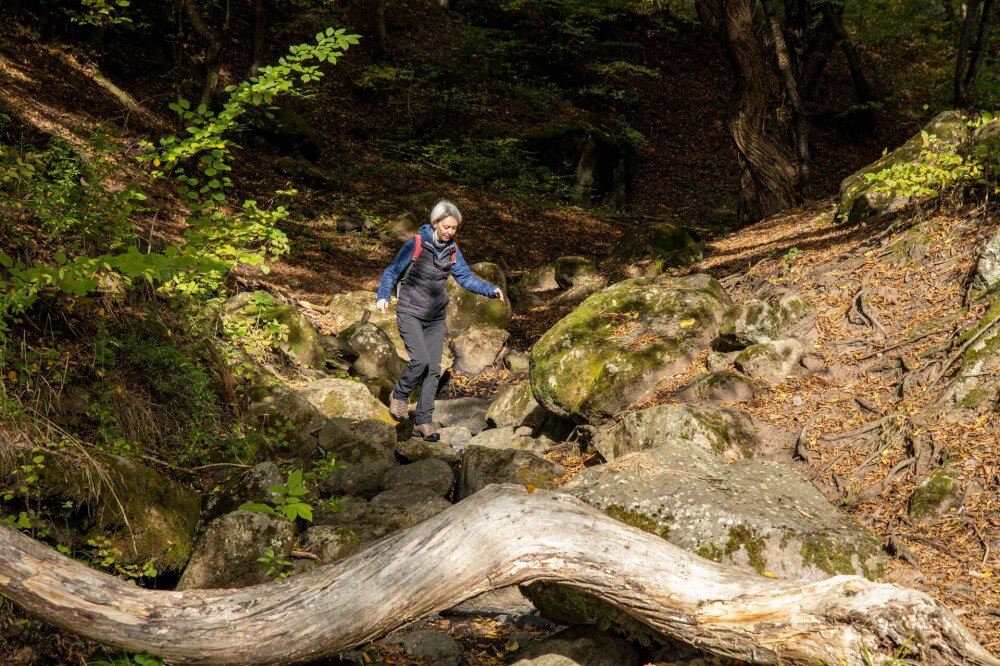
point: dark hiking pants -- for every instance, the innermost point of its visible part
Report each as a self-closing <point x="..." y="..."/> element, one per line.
<point x="424" y="341"/>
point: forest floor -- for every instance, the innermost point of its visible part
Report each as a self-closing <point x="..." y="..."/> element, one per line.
<point x="687" y="174"/>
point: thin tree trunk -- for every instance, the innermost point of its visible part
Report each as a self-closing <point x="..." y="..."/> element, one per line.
<point x="792" y="92"/>
<point x="832" y="19"/>
<point x="500" y="536"/>
<point x="378" y="26"/>
<point x="259" y="25"/>
<point x="210" y="60"/>
<point x="814" y="62"/>
<point x="976" y="58"/>
<point x="960" y="91"/>
<point x="768" y="176"/>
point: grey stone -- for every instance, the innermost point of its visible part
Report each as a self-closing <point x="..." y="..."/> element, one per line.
<point x="346" y="399"/>
<point x="226" y="555"/>
<point x="757" y="321"/>
<point x="573" y="270"/>
<point x="506" y="438"/>
<point x="756" y="515"/>
<point x="725" y="432"/>
<point x="717" y="388"/>
<point x="540" y="279"/>
<point x="280" y="407"/>
<point x="463" y="412"/>
<point x="330" y="544"/>
<point x="622" y="341"/>
<point x="936" y="495"/>
<point x="477" y="348"/>
<point x="516" y="406"/>
<point x="580" y="291"/>
<point x="662" y="245"/>
<point x="359" y="480"/>
<point x="771" y="362"/>
<point x="348" y="308"/>
<point x="466" y="309"/>
<point x="369" y="521"/>
<point x="988" y="267"/>
<point x="504" y="600"/>
<point x="437" y="646"/>
<point x="420" y="501"/>
<point x="580" y="646"/>
<point x="456" y="437"/>
<point x="416" y="448"/>
<point x="374" y="351"/>
<point x="718" y="361"/>
<point x="517" y="362"/>
<point x="482" y="466"/>
<point x="363" y="441"/>
<point x="431" y="472"/>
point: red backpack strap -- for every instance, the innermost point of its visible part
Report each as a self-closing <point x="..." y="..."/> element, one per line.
<point x="454" y="254"/>
<point x="418" y="247"/>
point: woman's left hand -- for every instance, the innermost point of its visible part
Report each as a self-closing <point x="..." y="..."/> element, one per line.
<point x="497" y="293"/>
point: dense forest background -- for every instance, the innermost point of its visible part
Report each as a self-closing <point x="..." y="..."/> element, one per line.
<point x="158" y="157"/>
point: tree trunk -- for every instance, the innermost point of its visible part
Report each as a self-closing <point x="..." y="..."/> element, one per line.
<point x="500" y="536"/>
<point x="861" y="90"/>
<point x="792" y="92"/>
<point x="259" y="30"/>
<point x="378" y="26"/>
<point x="959" y="92"/>
<point x="768" y="175"/>
<point x="965" y="79"/>
<point x="210" y="59"/>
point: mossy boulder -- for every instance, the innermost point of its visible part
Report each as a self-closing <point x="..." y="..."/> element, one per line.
<point x="728" y="433"/>
<point x="463" y="413"/>
<point x="976" y="386"/>
<point x="477" y="348"/>
<point x="140" y="512"/>
<point x="539" y="280"/>
<point x="226" y="554"/>
<point x="330" y="544"/>
<point x="301" y="342"/>
<point x="657" y="246"/>
<point x="622" y="341"/>
<point x="369" y="521"/>
<point x="758" y="321"/>
<point x="580" y="291"/>
<point x="434" y="473"/>
<point x="359" y="480"/>
<point x="358" y="441"/>
<point x="482" y="466"/>
<point x="720" y="387"/>
<point x="515" y="406"/>
<point x="573" y="270"/>
<point x="753" y="514"/>
<point x="345" y="398"/>
<point x="419" y="500"/>
<point x="988" y="266"/>
<point x="417" y="448"/>
<point x="348" y="308"/>
<point x="947" y="133"/>
<point x="375" y="354"/>
<point x="936" y="495"/>
<point x="771" y="362"/>
<point x="507" y="438"/>
<point x="282" y="410"/>
<point x="466" y="309"/>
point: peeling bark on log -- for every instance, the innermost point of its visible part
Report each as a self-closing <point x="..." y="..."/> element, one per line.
<point x="500" y="536"/>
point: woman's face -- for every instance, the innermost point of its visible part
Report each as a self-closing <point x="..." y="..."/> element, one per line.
<point x="446" y="228"/>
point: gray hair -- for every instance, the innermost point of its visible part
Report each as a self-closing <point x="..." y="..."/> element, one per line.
<point x="443" y="209"/>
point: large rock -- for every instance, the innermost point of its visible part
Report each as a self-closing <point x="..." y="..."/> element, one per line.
<point x="573" y="270"/>
<point x="281" y="408"/>
<point x="622" y="341"/>
<point x="940" y="492"/>
<point x="360" y="480"/>
<point x="515" y="406"/>
<point x="370" y="521"/>
<point x="725" y="432"/>
<point x="226" y="555"/>
<point x="301" y="340"/>
<point x="661" y="245"/>
<point x="947" y="134"/>
<point x="758" y="321"/>
<point x="506" y="438"/>
<point x="348" y="308"/>
<point x="462" y="413"/>
<point x="988" y="267"/>
<point x="374" y="351"/>
<point x="352" y="441"/>
<point x="346" y="399"/>
<point x="138" y="511"/>
<point x="580" y="646"/>
<point x="466" y="309"/>
<point x="428" y="646"/>
<point x="431" y="472"/>
<point x="477" y="347"/>
<point x="330" y="544"/>
<point x="483" y="466"/>
<point x="417" y="448"/>
<point x="771" y="362"/>
<point x="420" y="501"/>
<point x="756" y="515"/>
<point x="976" y="386"/>
<point x="580" y="291"/>
<point x="539" y="280"/>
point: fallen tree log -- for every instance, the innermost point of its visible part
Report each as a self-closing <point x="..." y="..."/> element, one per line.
<point x="500" y="536"/>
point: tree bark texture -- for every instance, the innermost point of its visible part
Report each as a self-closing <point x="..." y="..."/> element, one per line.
<point x="965" y="76"/>
<point x="377" y="9"/>
<point x="500" y="536"/>
<point x="768" y="173"/>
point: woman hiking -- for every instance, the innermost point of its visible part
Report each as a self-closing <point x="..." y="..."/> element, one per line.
<point x="421" y="299"/>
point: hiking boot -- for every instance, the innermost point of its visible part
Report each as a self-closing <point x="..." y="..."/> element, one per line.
<point x="398" y="409"/>
<point x="427" y="431"/>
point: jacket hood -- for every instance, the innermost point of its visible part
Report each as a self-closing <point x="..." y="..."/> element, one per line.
<point x="427" y="233"/>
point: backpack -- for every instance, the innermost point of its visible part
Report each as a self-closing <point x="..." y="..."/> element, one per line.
<point x="418" y="249"/>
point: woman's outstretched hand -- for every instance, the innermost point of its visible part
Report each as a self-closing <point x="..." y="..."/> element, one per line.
<point x="382" y="305"/>
<point x="497" y="293"/>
